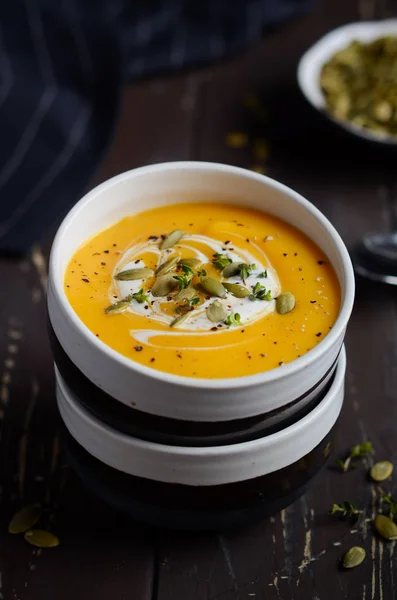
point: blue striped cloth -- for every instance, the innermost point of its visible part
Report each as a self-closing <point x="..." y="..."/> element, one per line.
<point x="63" y="65"/>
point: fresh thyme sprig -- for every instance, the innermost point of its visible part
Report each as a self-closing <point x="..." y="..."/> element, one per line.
<point x="233" y="319"/>
<point x="391" y="504"/>
<point x="346" y="510"/>
<point x="356" y="452"/>
<point x="140" y="296"/>
<point x="221" y="261"/>
<point x="259" y="293"/>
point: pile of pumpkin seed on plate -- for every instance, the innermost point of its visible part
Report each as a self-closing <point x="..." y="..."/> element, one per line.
<point x="360" y="85"/>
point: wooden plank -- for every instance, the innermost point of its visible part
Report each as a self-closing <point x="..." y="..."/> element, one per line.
<point x="296" y="554"/>
<point x="100" y="554"/>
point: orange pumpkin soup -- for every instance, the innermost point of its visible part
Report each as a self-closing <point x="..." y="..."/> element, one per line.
<point x="204" y="290"/>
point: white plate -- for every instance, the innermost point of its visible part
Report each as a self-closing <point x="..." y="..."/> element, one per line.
<point x="199" y="466"/>
<point x="312" y="61"/>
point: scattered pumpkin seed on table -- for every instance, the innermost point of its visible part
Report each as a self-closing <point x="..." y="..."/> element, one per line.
<point x="386" y="527"/>
<point x="41" y="538"/>
<point x="381" y="471"/>
<point x="236" y="139"/>
<point x="353" y="557"/>
<point x="25" y="518"/>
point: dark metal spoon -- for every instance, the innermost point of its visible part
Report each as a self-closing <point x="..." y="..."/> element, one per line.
<point x="376" y="257"/>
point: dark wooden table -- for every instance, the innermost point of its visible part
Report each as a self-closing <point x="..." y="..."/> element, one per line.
<point x="295" y="554"/>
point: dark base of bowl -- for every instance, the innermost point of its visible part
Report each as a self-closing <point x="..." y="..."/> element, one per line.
<point x="176" y="432"/>
<point x="209" y="508"/>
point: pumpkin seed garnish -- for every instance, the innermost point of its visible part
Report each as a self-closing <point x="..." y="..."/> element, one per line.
<point x="216" y="312"/>
<point x="239" y="291"/>
<point x="41" y="538"/>
<point x="386" y="527"/>
<point x="179" y="320"/>
<point x="186" y="294"/>
<point x="172" y="239"/>
<point x="381" y="470"/>
<point x="120" y="306"/>
<point x="25" y="518"/>
<point x="353" y="557"/>
<point x="194" y="263"/>
<point x="285" y="303"/>
<point x="231" y="270"/>
<point x="168" y="266"/>
<point x="133" y="274"/>
<point x="164" y="285"/>
<point x="213" y="287"/>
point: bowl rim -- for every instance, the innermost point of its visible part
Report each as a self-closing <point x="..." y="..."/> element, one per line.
<point x="206" y="465"/>
<point x="309" y="60"/>
<point x="56" y="282"/>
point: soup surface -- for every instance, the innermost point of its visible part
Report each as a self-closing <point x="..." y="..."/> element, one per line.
<point x="204" y="290"/>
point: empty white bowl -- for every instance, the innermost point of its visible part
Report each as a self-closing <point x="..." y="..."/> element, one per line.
<point x="311" y="63"/>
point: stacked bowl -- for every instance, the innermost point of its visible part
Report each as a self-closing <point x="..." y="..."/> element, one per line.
<point x="185" y="452"/>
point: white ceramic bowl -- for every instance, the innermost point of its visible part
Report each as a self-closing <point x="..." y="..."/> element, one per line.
<point x="169" y="395"/>
<point x="313" y="60"/>
<point x="205" y="466"/>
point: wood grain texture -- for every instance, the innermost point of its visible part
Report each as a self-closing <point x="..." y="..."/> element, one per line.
<point x="294" y="555"/>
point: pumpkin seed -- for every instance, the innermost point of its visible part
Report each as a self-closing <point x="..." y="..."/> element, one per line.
<point x="171" y="239"/>
<point x="381" y="470"/>
<point x="231" y="269"/>
<point x="239" y="291"/>
<point x="213" y="287"/>
<point x="168" y="265"/>
<point x="118" y="307"/>
<point x="164" y="285"/>
<point x="285" y="303"/>
<point x="41" y="538"/>
<point x="193" y="263"/>
<point x="386" y="527"/>
<point x="25" y="518"/>
<point x="216" y="311"/>
<point x="186" y="294"/>
<point x="353" y="557"/>
<point x="133" y="274"/>
<point x="179" y="320"/>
